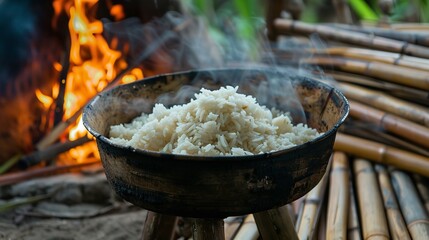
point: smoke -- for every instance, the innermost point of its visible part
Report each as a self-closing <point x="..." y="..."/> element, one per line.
<point x="187" y="41"/>
<point x="27" y="45"/>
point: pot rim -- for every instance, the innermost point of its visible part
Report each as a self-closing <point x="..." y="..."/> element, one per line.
<point x="100" y="137"/>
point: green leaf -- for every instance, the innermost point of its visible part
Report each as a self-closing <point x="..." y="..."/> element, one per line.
<point x="362" y="9"/>
<point x="9" y="163"/>
<point x="8" y="206"/>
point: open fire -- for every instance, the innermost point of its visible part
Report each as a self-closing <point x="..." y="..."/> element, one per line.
<point x="93" y="64"/>
<point x="98" y="54"/>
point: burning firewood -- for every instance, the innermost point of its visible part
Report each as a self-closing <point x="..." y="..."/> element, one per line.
<point x="51" y="152"/>
<point x="12" y="178"/>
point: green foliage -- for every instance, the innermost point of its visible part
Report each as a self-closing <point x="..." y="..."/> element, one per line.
<point x="369" y="10"/>
<point x="405" y="9"/>
<point x="237" y="21"/>
<point x="11" y="205"/>
<point x="363" y="10"/>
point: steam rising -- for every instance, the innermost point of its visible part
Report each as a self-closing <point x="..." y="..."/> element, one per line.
<point x="179" y="42"/>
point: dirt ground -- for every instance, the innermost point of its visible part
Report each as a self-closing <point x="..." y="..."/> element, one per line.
<point x="75" y="207"/>
<point x="107" y="227"/>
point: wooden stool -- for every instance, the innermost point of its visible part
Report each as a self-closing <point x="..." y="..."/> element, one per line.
<point x="273" y="224"/>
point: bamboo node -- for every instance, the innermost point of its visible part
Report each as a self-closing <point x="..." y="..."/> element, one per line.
<point x="382" y="235"/>
<point x="403" y="48"/>
<point x="367" y="68"/>
<point x="364" y="170"/>
<point x="312" y="201"/>
<point x="396" y="60"/>
<point x="292" y="25"/>
<point x="381" y="122"/>
<point x="426" y="221"/>
<point x="340" y="169"/>
<point x="351" y="229"/>
<point x="382" y="153"/>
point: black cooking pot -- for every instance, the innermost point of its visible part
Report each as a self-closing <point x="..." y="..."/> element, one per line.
<point x="217" y="186"/>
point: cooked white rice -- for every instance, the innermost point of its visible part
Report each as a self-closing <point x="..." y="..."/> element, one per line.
<point x="220" y="122"/>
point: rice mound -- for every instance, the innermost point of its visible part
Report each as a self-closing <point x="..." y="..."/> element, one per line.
<point x="215" y="123"/>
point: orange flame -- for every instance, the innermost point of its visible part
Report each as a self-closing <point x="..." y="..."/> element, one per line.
<point x="93" y="65"/>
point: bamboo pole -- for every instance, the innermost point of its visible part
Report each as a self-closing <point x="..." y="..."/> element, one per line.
<point x="322" y="224"/>
<point x="414" y="213"/>
<point x="375" y="56"/>
<point x="275" y="224"/>
<point x="371" y="132"/>
<point x="397" y="226"/>
<point x="374" y="223"/>
<point x="391" y="123"/>
<point x="383" y="101"/>
<point x="413" y="27"/>
<point x="410" y="94"/>
<point x="353" y="225"/>
<point x="396" y="74"/>
<point x="248" y="230"/>
<point x="410" y="37"/>
<point x="422" y="185"/>
<point x="383" y="154"/>
<point x="284" y="26"/>
<point x="232" y="224"/>
<point x="298" y="206"/>
<point x="338" y="198"/>
<point x="354" y="53"/>
<point x="292" y="213"/>
<point x="402" y="143"/>
<point x="306" y="227"/>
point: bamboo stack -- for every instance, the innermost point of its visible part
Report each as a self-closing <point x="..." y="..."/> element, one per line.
<point x="353" y="224"/>
<point x="398" y="228"/>
<point x="338" y="198"/>
<point x="412" y="208"/>
<point x="374" y="223"/>
<point x="378" y="185"/>
<point x="308" y="221"/>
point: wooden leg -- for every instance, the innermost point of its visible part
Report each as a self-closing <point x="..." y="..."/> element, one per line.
<point x="275" y="224"/>
<point x="208" y="229"/>
<point x="159" y="226"/>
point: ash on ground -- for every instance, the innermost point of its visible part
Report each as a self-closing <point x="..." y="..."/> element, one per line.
<point x="69" y="206"/>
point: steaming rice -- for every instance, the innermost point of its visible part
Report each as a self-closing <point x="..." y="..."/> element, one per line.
<point x="221" y="122"/>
